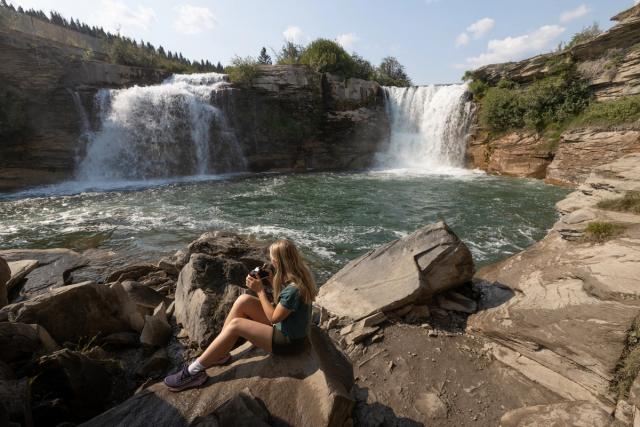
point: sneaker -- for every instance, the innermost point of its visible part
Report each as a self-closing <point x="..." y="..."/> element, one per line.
<point x="183" y="380"/>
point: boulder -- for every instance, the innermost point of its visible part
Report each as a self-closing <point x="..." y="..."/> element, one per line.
<point x="20" y="341"/>
<point x="15" y="402"/>
<point x="232" y="246"/>
<point x="145" y="298"/>
<point x="81" y="384"/>
<point x="308" y="389"/>
<point x="156" y="331"/>
<point x="156" y="363"/>
<point x="5" y="275"/>
<point x="72" y="312"/>
<point x="430" y="260"/>
<point x="131" y="272"/>
<point x="54" y="268"/>
<point x="204" y="295"/>
<point x="566" y="414"/>
<point x="19" y="269"/>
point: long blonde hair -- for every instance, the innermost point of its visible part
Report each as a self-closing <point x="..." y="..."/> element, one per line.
<point x="290" y="267"/>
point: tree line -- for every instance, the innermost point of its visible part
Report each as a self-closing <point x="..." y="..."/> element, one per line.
<point x="324" y="56"/>
<point x="124" y="50"/>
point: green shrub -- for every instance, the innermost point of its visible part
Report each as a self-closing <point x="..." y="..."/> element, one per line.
<point x="392" y="73"/>
<point x="622" y="110"/>
<point x="543" y="103"/>
<point x="630" y="202"/>
<point x="289" y="54"/>
<point x="478" y="88"/>
<point x="600" y="231"/>
<point x="362" y="68"/>
<point x="242" y="70"/>
<point x="628" y="367"/>
<point x="327" y="56"/>
<point x="586" y="34"/>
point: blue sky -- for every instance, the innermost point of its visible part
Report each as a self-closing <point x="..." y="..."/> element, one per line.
<point x="436" y="40"/>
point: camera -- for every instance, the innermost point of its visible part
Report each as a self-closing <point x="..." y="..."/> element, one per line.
<point x="263" y="273"/>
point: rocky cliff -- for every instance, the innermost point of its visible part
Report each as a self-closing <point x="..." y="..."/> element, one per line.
<point x="289" y="118"/>
<point x="292" y="118"/>
<point x="47" y="72"/>
<point x="610" y="65"/>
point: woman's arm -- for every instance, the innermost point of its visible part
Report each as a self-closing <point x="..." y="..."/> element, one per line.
<point x="275" y="315"/>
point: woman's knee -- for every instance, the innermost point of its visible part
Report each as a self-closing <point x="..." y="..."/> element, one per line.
<point x="242" y="300"/>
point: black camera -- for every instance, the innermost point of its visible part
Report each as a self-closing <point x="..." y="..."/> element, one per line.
<point x="263" y="272"/>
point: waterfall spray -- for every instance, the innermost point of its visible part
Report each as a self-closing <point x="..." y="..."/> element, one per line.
<point x="429" y="127"/>
<point x="161" y="131"/>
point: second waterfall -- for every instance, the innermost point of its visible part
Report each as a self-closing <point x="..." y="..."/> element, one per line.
<point x="429" y="127"/>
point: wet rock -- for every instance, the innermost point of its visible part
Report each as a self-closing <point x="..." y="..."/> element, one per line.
<point x="567" y="414"/>
<point x="53" y="270"/>
<point x="71" y="312"/>
<point x="320" y="371"/>
<point x="429" y="261"/>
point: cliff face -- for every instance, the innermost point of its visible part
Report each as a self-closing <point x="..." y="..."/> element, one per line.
<point x="610" y="64"/>
<point x="46" y="71"/>
<point x="291" y="118"/>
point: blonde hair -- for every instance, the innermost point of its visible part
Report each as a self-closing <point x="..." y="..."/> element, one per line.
<point x="290" y="267"/>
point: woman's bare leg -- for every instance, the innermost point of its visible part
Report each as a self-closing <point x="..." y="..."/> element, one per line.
<point x="247" y="307"/>
<point x="258" y="333"/>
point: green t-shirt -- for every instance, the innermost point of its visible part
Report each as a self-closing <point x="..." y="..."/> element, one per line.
<point x="296" y="324"/>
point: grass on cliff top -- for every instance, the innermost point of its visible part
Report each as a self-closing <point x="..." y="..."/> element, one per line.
<point x="630" y="202"/>
<point x="601" y="231"/>
<point x="628" y="367"/>
<point x="619" y="111"/>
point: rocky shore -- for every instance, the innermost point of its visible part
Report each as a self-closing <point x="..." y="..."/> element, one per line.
<point x="548" y="334"/>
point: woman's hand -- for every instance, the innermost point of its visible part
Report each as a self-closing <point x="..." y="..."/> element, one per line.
<point x="254" y="284"/>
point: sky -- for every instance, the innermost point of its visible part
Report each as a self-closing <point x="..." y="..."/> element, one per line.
<point x="436" y="40"/>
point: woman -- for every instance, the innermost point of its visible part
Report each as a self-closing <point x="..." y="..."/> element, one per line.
<point x="279" y="330"/>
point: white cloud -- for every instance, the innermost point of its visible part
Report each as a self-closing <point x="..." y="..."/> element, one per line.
<point x="114" y="15"/>
<point x="576" y="13"/>
<point x="194" y="19"/>
<point x="463" y="39"/>
<point x="514" y="48"/>
<point x="481" y="27"/>
<point x="293" y="34"/>
<point x="347" y="40"/>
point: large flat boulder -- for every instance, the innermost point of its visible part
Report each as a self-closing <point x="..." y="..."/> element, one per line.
<point x="430" y="260"/>
<point x="309" y="389"/>
<point x="53" y="269"/>
<point x="5" y="275"/>
<point x="77" y="311"/>
<point x="572" y="301"/>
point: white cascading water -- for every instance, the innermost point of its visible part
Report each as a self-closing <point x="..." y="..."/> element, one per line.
<point x="160" y="131"/>
<point x="429" y="127"/>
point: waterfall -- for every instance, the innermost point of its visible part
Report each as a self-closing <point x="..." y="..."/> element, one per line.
<point x="429" y="127"/>
<point x="162" y="131"/>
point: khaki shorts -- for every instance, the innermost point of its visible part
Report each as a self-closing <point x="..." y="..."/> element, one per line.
<point x="283" y="345"/>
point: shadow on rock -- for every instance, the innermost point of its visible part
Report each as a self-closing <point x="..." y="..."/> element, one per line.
<point x="377" y="414"/>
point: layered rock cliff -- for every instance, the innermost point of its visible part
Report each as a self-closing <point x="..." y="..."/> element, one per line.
<point x="610" y="65"/>
<point x="289" y="118"/>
